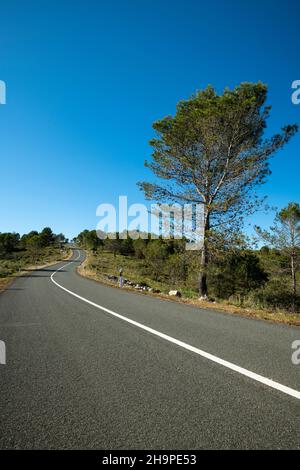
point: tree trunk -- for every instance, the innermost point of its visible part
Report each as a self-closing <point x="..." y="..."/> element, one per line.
<point x="203" y="289"/>
<point x="293" y="271"/>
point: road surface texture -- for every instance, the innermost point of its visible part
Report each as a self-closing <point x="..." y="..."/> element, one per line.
<point x="80" y="377"/>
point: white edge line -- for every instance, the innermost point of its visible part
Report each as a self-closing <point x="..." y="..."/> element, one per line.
<point x="252" y="375"/>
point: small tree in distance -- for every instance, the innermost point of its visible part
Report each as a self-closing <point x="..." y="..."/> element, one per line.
<point x="285" y="236"/>
<point x="212" y="152"/>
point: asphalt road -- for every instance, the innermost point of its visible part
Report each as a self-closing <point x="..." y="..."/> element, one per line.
<point x="80" y="377"/>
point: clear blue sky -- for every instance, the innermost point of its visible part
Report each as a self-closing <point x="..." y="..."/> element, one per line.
<point x="86" y="79"/>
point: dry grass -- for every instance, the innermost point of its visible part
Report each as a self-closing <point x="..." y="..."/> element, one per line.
<point x="4" y="282"/>
<point x="99" y="272"/>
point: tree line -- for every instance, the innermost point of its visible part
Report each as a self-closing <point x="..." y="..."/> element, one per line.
<point x="11" y="242"/>
<point x="264" y="277"/>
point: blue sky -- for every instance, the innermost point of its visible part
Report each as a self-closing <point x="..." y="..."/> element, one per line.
<point x="86" y="79"/>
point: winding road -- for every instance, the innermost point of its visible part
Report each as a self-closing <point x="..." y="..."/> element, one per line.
<point x="95" y="367"/>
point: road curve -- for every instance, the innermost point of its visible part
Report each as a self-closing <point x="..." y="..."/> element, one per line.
<point x="90" y="366"/>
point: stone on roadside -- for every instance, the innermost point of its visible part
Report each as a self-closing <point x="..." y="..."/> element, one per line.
<point x="175" y="293"/>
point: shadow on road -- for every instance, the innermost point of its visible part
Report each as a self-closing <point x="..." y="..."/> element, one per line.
<point x="13" y="288"/>
<point x="43" y="270"/>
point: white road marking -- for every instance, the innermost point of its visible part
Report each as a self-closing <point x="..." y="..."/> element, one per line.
<point x="252" y="375"/>
<point x="78" y="256"/>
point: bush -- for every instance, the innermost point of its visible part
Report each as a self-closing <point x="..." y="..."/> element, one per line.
<point x="156" y="254"/>
<point x="276" y="296"/>
<point x="177" y="268"/>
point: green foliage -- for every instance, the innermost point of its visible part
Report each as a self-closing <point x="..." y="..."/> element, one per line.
<point x="177" y="268"/>
<point x="8" y="243"/>
<point x="284" y="236"/>
<point x="126" y="247"/>
<point x="46" y="237"/>
<point x="113" y="244"/>
<point x="156" y="254"/>
<point x="18" y="252"/>
<point x="212" y="151"/>
<point x="139" y="247"/>
<point x="285" y="233"/>
<point x="89" y="239"/>
<point x="237" y="275"/>
<point x="275" y="295"/>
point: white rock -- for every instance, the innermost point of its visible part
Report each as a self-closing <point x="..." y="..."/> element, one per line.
<point x="175" y="293"/>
